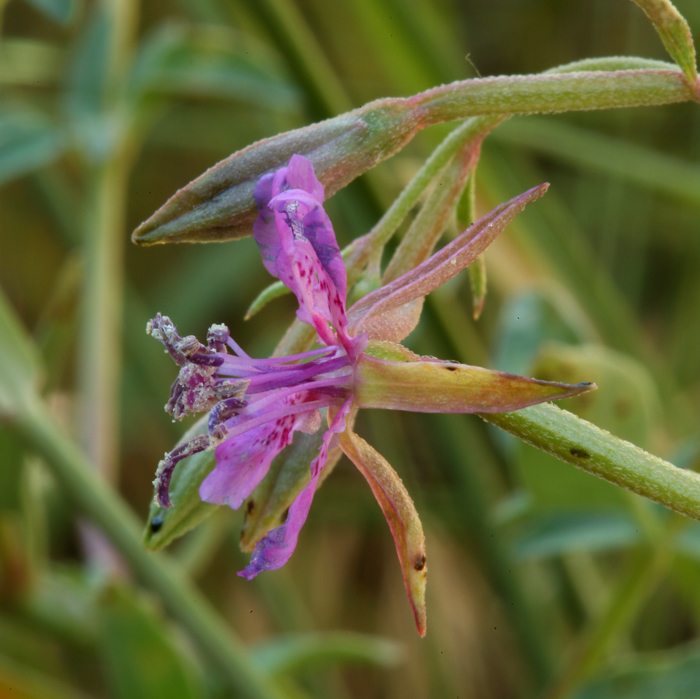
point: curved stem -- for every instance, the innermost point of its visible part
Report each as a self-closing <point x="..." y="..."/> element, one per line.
<point x="103" y="507"/>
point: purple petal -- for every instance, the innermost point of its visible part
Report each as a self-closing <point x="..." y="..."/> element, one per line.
<point x="242" y="462"/>
<point x="275" y="549"/>
<point x="299" y="247"/>
<point x="300" y="175"/>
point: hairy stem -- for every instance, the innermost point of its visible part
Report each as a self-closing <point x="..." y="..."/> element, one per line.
<point x="596" y="451"/>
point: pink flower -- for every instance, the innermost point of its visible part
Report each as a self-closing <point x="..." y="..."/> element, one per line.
<point x="256" y="405"/>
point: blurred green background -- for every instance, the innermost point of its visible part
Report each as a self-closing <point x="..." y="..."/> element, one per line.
<point x="544" y="581"/>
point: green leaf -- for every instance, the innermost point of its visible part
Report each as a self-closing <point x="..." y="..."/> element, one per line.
<point x="141" y="657"/>
<point x="625" y="404"/>
<point x="671" y="674"/>
<point x="86" y="90"/>
<point x="19" y="363"/>
<point x="22" y="682"/>
<point x="58" y="324"/>
<point x="675" y="35"/>
<point x="211" y="62"/>
<point x="299" y="652"/>
<point x="554" y="535"/>
<point x="269" y="293"/>
<point x="11" y="466"/>
<point x="61" y="11"/>
<point x="31" y="63"/>
<point x="529" y="319"/>
<point x="28" y="141"/>
<point x="188" y="510"/>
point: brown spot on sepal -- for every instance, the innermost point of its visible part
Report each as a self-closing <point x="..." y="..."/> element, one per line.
<point x="420" y="562"/>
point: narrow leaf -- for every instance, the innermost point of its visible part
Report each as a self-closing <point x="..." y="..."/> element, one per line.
<point x="210" y="62"/>
<point x="596" y="451"/>
<point x="299" y="652"/>
<point x="141" y="659"/>
<point x="401" y="515"/>
<point x="28" y="142"/>
<point x="19" y="363"/>
<point x="558" y="534"/>
<point x="61" y="11"/>
<point x="269" y="293"/>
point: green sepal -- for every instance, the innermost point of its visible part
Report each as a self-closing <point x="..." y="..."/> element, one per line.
<point x="269" y="293"/>
<point x="391" y="351"/>
<point x="401" y="516"/>
<point x="188" y="510"/>
<point x="288" y="475"/>
<point x="433" y="386"/>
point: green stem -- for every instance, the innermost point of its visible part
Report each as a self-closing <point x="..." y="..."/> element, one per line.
<point x="427" y="227"/>
<point x="397" y="212"/>
<point x="596" y="451"/>
<point x="100" y="350"/>
<point x="100" y="504"/>
<point x="529" y="94"/>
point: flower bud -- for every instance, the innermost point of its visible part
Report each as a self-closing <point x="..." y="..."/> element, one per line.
<point x="219" y="205"/>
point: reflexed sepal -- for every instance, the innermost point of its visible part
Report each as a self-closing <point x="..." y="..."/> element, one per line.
<point x="188" y="510"/>
<point x="441" y="266"/>
<point x="401" y="515"/>
<point x="431" y="386"/>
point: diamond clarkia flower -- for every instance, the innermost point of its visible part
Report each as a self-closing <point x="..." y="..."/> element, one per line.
<point x="256" y="405"/>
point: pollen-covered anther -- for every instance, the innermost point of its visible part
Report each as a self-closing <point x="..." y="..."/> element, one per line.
<point x="194" y="391"/>
<point x="217" y="336"/>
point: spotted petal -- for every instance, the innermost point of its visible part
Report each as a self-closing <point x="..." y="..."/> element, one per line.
<point x="298" y="246"/>
<point x="242" y="462"/>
